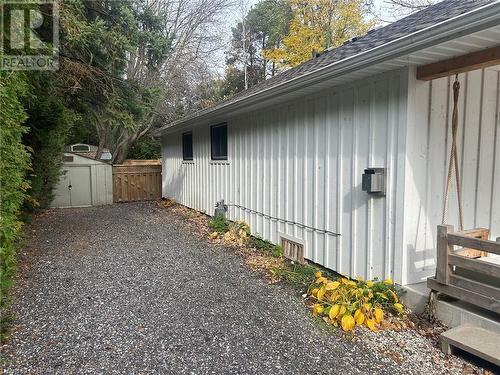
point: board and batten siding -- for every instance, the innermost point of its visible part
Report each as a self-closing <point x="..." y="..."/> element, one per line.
<point x="302" y="161"/>
<point x="428" y="149"/>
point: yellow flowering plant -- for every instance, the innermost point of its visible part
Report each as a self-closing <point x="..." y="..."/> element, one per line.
<point x="349" y="303"/>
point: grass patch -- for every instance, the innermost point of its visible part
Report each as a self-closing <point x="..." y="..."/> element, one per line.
<point x="5" y="324"/>
<point x="266" y="246"/>
<point x="297" y="275"/>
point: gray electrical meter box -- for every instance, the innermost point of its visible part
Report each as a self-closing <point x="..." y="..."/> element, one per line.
<point x="374" y="181"/>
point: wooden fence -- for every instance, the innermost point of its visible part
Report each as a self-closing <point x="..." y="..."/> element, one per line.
<point x="464" y="277"/>
<point x="136" y="182"/>
<point x="142" y="162"/>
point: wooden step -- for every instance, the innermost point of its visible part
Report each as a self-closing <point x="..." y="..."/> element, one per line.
<point x="477" y="341"/>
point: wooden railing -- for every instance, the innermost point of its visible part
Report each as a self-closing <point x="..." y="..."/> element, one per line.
<point x="464" y="277"/>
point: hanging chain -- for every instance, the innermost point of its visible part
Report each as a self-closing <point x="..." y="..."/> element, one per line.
<point x="453" y="164"/>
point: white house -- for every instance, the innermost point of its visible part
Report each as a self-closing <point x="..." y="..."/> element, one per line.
<point x="289" y="154"/>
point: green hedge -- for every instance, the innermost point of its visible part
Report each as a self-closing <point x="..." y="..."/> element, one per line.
<point x="14" y="162"/>
<point x="49" y="123"/>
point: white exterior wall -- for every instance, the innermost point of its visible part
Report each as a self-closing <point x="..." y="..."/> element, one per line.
<point x="428" y="148"/>
<point x="303" y="161"/>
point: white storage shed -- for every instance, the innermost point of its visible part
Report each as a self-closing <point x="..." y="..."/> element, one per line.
<point x="290" y="155"/>
<point x="83" y="182"/>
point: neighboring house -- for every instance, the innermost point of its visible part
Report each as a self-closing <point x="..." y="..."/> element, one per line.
<point x="89" y="151"/>
<point x="288" y="155"/>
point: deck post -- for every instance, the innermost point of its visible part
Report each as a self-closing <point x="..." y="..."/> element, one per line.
<point x="443" y="249"/>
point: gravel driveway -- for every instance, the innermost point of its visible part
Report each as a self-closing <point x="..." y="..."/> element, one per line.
<point x="130" y="289"/>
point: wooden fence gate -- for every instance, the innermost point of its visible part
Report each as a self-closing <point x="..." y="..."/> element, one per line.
<point x="136" y="181"/>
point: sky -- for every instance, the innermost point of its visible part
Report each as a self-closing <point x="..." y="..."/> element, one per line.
<point x="380" y="9"/>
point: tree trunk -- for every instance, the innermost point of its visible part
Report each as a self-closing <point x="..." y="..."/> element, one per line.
<point x="100" y="147"/>
<point x="120" y="153"/>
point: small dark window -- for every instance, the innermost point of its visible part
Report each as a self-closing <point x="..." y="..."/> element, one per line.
<point x="80" y="147"/>
<point x="218" y="136"/>
<point x="187" y="146"/>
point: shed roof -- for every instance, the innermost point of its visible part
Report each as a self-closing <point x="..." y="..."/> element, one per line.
<point x="84" y="158"/>
<point x="423" y="20"/>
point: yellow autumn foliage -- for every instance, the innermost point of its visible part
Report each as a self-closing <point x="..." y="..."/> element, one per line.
<point x="334" y="311"/>
<point x="347" y="323"/>
<point x="378" y="313"/>
<point x="349" y="303"/>
<point x="359" y="317"/>
<point x="237" y="234"/>
<point x="317" y="25"/>
<point x="332" y="285"/>
<point x="322" y="279"/>
<point x="321" y="292"/>
<point x="399" y="308"/>
<point x="372" y="326"/>
<point x="317" y="309"/>
<point x="342" y="310"/>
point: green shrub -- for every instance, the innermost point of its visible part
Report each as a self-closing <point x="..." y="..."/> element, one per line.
<point x="50" y="123"/>
<point x="14" y="162"/>
<point x="219" y="224"/>
<point x="145" y="148"/>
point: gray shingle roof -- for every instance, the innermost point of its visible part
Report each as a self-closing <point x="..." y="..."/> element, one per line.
<point x="420" y="20"/>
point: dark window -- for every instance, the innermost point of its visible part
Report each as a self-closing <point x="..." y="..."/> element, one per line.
<point x="80" y="147"/>
<point x="218" y="136"/>
<point x="187" y="146"/>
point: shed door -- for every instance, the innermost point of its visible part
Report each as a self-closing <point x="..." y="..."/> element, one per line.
<point x="62" y="197"/>
<point x="80" y="184"/>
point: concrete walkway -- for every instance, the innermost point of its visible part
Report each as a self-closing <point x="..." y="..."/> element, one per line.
<point x="129" y="289"/>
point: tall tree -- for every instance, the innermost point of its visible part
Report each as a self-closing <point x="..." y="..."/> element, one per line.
<point x="176" y="38"/>
<point x="264" y="26"/>
<point x="122" y="59"/>
<point x="392" y="10"/>
<point x="410" y="5"/>
<point x="270" y="20"/>
<point x="318" y="25"/>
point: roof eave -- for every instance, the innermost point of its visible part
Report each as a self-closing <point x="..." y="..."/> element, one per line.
<point x="468" y="23"/>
